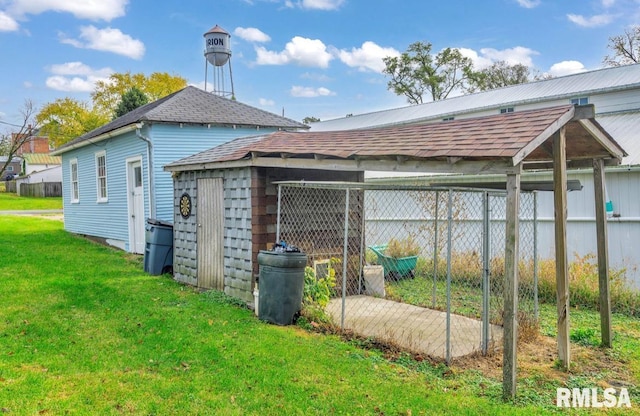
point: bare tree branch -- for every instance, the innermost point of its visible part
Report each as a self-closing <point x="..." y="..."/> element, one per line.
<point x="12" y="141"/>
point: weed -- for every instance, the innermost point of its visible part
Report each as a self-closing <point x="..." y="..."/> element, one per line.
<point x="585" y="336"/>
<point x="402" y="248"/>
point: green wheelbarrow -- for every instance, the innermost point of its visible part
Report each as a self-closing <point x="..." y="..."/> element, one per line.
<point x="395" y="267"/>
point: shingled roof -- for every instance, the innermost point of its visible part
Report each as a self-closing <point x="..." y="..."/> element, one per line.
<point x="509" y="139"/>
<point x="192" y="105"/>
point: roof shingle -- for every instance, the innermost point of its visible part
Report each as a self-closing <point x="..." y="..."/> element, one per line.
<point x="192" y="105"/>
<point x="503" y="136"/>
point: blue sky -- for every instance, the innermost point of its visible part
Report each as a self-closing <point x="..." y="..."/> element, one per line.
<point x="320" y="58"/>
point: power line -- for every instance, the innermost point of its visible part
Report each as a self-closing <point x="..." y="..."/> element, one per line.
<point x="10" y="124"/>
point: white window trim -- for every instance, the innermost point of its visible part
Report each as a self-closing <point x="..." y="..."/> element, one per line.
<point x="74" y="196"/>
<point x="99" y="197"/>
<point x="578" y="99"/>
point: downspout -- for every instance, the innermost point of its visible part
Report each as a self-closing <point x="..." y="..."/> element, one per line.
<point x="152" y="199"/>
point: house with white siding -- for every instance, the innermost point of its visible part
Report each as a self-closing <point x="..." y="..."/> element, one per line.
<point x="615" y="94"/>
<point x="36" y="162"/>
<point x="113" y="179"/>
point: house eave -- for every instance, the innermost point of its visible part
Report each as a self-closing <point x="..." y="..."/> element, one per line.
<point x="97" y="139"/>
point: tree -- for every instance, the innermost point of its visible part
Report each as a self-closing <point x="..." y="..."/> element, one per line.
<point x="310" y="119"/>
<point x="625" y="48"/>
<point x="417" y="72"/>
<point x="130" y="100"/>
<point x="11" y="142"/>
<point x="66" y="119"/>
<point x="499" y="75"/>
<point x="107" y="94"/>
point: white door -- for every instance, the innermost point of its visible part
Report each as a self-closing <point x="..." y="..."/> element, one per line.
<point x="136" y="207"/>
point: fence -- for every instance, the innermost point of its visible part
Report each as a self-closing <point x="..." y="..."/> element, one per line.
<point x="10" y="186"/>
<point x="40" y="189"/>
<point x="421" y="268"/>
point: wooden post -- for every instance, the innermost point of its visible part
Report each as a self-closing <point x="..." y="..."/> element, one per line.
<point x="603" y="252"/>
<point x="510" y="337"/>
<point x="562" y="267"/>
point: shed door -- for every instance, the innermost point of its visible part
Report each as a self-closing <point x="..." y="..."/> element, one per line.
<point x="210" y="235"/>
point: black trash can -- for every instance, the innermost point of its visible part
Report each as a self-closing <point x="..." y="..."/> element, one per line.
<point x="158" y="252"/>
<point x="281" y="280"/>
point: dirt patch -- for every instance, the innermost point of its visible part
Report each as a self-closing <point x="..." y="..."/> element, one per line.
<point x="55" y="217"/>
<point x="538" y="357"/>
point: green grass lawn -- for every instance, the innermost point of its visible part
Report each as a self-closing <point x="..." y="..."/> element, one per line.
<point x="10" y="201"/>
<point x="83" y="330"/>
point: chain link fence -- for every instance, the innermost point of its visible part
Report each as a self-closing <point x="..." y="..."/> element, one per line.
<point x="420" y="268"/>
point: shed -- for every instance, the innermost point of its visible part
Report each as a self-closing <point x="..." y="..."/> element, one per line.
<point x="227" y="189"/>
<point x="112" y="176"/>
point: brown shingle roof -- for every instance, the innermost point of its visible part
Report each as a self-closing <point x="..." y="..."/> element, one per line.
<point x="512" y="137"/>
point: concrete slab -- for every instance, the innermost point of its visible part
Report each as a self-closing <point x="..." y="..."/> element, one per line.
<point x="414" y="328"/>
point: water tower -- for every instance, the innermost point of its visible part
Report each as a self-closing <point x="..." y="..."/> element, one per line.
<point x="218" y="53"/>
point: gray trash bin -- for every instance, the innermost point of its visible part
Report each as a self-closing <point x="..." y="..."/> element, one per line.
<point x="158" y="253"/>
<point x="281" y="279"/>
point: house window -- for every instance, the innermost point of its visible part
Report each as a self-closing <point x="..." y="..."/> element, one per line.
<point x="448" y="118"/>
<point x="9" y="168"/>
<point x="506" y="110"/>
<point x="101" y="176"/>
<point x="137" y="175"/>
<point x="580" y="101"/>
<point x="75" y="193"/>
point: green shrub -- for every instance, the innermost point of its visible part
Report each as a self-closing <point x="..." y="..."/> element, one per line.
<point x="316" y="296"/>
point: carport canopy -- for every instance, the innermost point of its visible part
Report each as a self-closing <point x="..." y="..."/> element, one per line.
<point x="504" y="143"/>
<point x="555" y="138"/>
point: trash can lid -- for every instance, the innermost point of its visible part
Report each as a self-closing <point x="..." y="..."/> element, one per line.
<point x="153" y="221"/>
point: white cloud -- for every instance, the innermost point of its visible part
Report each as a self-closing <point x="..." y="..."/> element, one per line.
<point x="108" y="40"/>
<point x="512" y="56"/>
<point x="251" y="34"/>
<point x="566" y="68"/>
<point x="368" y="57"/>
<point x="479" y="62"/>
<point x="7" y="23"/>
<point x="69" y="84"/>
<point x="315" y="4"/>
<point x="315" y="77"/>
<point x="489" y="56"/>
<point x="76" y="77"/>
<point x="309" y="92"/>
<point x="78" y="68"/>
<point x="593" y="21"/>
<point x="27" y="84"/>
<point x="300" y="51"/>
<point x="83" y="9"/>
<point x="266" y="103"/>
<point x="608" y="3"/>
<point x="529" y="4"/>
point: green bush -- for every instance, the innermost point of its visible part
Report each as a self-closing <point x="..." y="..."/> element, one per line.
<point x="316" y="296"/>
